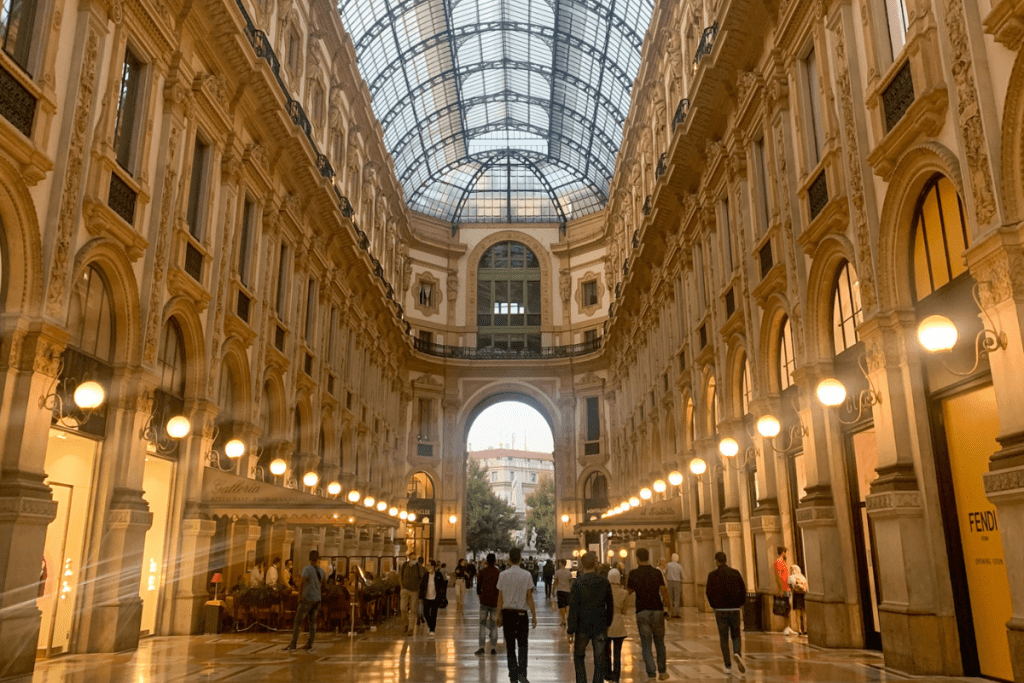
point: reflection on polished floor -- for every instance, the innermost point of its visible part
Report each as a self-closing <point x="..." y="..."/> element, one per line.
<point x="384" y="656"/>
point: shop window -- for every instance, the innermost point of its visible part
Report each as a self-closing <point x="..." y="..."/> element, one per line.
<point x="126" y="124"/>
<point x="787" y="358"/>
<point x="940" y="237"/>
<point x="846" y="308"/>
<point x="91" y="316"/>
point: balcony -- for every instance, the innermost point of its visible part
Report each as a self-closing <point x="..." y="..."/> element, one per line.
<point x="490" y="353"/>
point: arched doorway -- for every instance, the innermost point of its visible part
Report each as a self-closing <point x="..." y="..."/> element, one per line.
<point x="510" y="480"/>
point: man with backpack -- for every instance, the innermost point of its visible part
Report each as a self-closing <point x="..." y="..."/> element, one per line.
<point x="409" y="576"/>
<point x="310" y="593"/>
<point x="727" y="593"/>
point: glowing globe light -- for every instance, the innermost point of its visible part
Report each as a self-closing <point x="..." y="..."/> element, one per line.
<point x="565" y="519"/>
<point x="310" y="479"/>
<point x="334" y="488"/>
<point x="452" y="519"/>
<point x="937" y="333"/>
<point x="369" y="501"/>
<point x="831" y="392"/>
<point x="425" y="520"/>
<point x="611" y="553"/>
<point x="675" y="477"/>
<point x="89" y="395"/>
<point x="412" y="516"/>
<point x="698" y="466"/>
<point x="659" y="486"/>
<point x="768" y="426"/>
<point x="634" y="502"/>
<point x="178" y="427"/>
<point x="278" y="466"/>
<point x="403" y="515"/>
<point x="392" y="511"/>
<point x="354" y="496"/>
<point x="728" y="447"/>
<point x="382" y="505"/>
<point x="234" y="448"/>
<point x="645" y="493"/>
<point x="623" y="553"/>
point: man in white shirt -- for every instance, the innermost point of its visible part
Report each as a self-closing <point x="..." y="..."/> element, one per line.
<point x="515" y="596"/>
<point x="272" y="573"/>
<point x="256" y="575"/>
<point x="674" y="578"/>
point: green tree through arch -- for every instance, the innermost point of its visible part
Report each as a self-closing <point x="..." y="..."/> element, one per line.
<point x="490" y="521"/>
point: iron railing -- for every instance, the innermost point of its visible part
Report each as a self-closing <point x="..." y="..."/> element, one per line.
<point x="473" y="353"/>
<point x="707" y="43"/>
<point x="17" y="104"/>
<point x="898" y="96"/>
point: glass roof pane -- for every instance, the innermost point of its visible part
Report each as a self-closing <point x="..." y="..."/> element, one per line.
<point x="500" y="110"/>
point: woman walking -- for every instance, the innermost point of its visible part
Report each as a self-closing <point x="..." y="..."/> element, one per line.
<point x="563" y="584"/>
<point x="462" y="579"/>
<point x="617" y="630"/>
<point x="433" y="594"/>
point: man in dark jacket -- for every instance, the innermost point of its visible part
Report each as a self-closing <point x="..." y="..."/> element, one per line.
<point x="591" y="608"/>
<point x="487" y="591"/>
<point x="549" y="577"/>
<point x="409" y="575"/>
<point x="727" y="594"/>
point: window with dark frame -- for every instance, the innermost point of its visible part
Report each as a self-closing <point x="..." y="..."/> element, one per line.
<point x="282" y="281"/>
<point x="846" y="308"/>
<point x="590" y="293"/>
<point x="127" y="114"/>
<point x="17" y="29"/>
<point x="426" y="294"/>
<point x="245" y="241"/>
<point x="787" y="359"/>
<point x="196" y="191"/>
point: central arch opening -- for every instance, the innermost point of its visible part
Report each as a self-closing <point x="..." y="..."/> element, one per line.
<point x="510" y="474"/>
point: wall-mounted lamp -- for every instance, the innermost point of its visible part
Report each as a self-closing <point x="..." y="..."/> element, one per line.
<point x="310" y="479"/>
<point x="698" y="466"/>
<point x="403" y="515"/>
<point x="623" y="553"/>
<point x="660" y="486"/>
<point x="334" y="488"/>
<point x="938" y="334"/>
<point x="675" y="477"/>
<point x="392" y="512"/>
<point x="452" y="519"/>
<point x="278" y="467"/>
<point x="645" y="493"/>
<point x="87" y="397"/>
<point x="382" y="505"/>
<point x="634" y="502"/>
<point x="412" y="517"/>
<point x="729" y="448"/>
<point x="174" y="430"/>
<point x="832" y="393"/>
<point x="369" y="501"/>
<point x="565" y="519"/>
<point x="769" y="427"/>
<point x="353" y="495"/>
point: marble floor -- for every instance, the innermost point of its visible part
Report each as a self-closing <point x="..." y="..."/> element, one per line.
<point x="385" y="656"/>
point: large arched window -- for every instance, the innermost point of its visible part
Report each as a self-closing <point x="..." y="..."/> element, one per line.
<point x="846" y="308"/>
<point x="169" y="399"/>
<point x="688" y="424"/>
<point x="419" y="486"/>
<point x="91" y="316"/>
<point x="595" y="491"/>
<point x="940" y="237"/>
<point x="745" y="389"/>
<point x="711" y="406"/>
<point x="787" y="357"/>
<point x="508" y="298"/>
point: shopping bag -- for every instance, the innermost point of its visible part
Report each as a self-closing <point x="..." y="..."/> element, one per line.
<point x="780" y="606"/>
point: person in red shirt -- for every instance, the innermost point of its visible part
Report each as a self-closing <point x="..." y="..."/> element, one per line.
<point x="782" y="580"/>
<point x="487" y="590"/>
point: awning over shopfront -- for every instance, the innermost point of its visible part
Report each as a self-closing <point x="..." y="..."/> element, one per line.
<point x="664" y="516"/>
<point x="229" y="495"/>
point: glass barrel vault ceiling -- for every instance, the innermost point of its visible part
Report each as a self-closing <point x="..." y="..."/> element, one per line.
<point x="500" y="110"/>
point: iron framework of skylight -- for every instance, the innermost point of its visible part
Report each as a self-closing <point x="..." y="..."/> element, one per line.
<point x="500" y="110"/>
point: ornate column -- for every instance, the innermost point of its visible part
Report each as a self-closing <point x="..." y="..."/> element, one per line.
<point x="451" y="500"/>
<point x="192" y="560"/>
<point x="111" y="600"/>
<point x="998" y="266"/>
<point x="29" y="369"/>
<point x="565" y="473"/>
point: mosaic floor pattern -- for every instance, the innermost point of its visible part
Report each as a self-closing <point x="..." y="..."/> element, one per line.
<point x="385" y="656"/>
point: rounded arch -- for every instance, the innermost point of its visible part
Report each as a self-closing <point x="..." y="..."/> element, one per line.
<point x="709" y="401"/>
<point x="732" y="390"/>
<point x="111" y="260"/>
<point x="830" y="255"/>
<point x="913" y="172"/>
<point x="775" y="313"/>
<point x="235" y="361"/>
<point x="305" y="431"/>
<point x="20" y="245"/>
<point x="272" y="408"/>
<point x="183" y="312"/>
<point x="511" y="391"/>
<point x="1012" y="171"/>
<point x="688" y="417"/>
<point x="420" y="484"/>
<point x="546" y="283"/>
